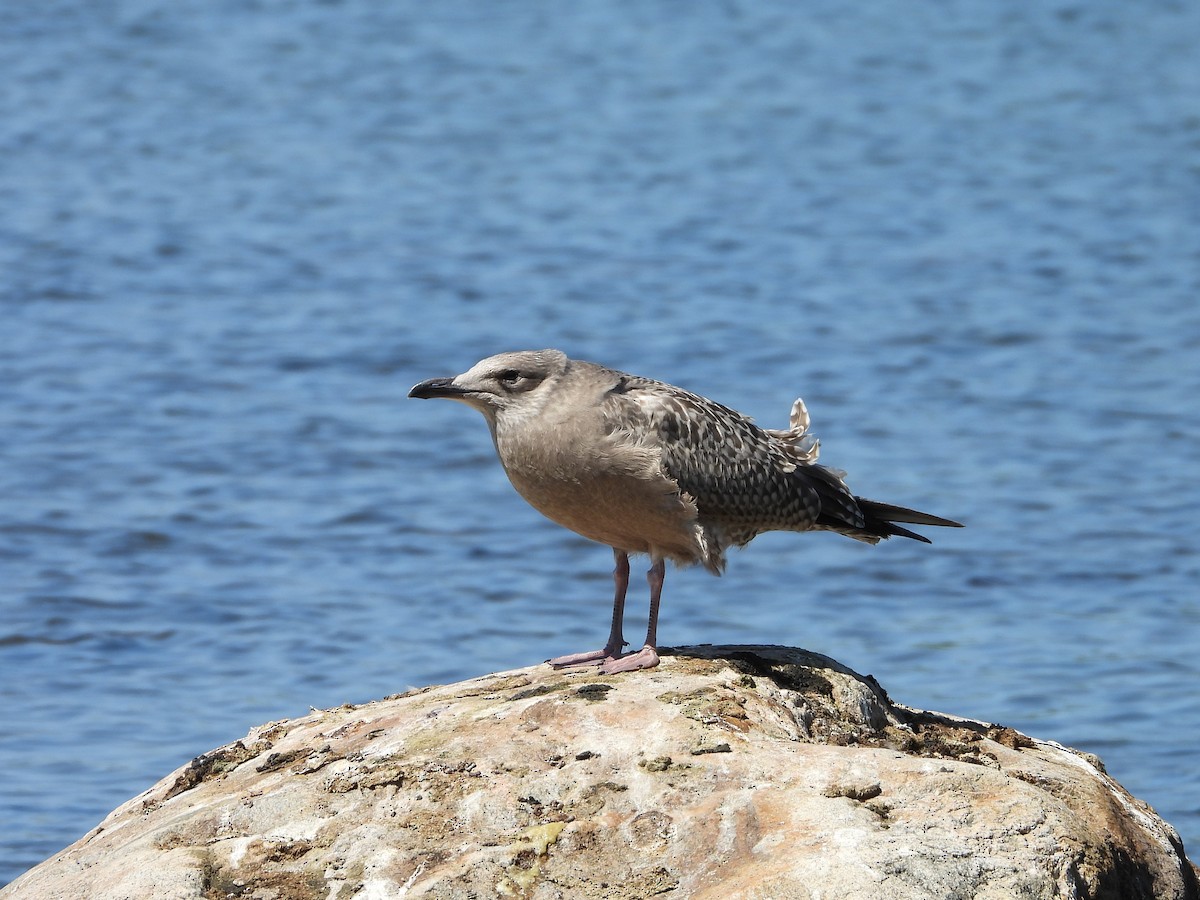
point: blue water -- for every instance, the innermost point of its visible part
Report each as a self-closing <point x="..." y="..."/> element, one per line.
<point x="233" y="234"/>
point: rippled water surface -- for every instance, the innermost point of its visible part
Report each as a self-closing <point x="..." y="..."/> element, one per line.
<point x="232" y="236"/>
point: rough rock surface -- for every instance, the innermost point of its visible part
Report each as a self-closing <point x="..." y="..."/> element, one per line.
<point x="728" y="772"/>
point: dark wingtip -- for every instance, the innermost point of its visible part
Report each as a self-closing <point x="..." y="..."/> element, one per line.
<point x="896" y="530"/>
<point x="882" y="519"/>
<point x="894" y="513"/>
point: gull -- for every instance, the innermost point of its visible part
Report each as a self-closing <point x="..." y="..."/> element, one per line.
<point x="649" y="468"/>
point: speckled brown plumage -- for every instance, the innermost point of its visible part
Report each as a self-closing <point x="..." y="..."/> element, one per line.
<point x="647" y="467"/>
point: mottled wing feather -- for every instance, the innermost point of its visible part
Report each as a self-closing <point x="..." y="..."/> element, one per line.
<point x="743" y="481"/>
<point x="839" y="508"/>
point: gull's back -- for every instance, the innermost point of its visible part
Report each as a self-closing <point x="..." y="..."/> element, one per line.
<point x="743" y="480"/>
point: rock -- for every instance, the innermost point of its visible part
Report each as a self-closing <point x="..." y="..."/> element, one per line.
<point x="728" y="772"/>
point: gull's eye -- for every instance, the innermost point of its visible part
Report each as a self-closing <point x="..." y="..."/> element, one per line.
<point x="515" y="381"/>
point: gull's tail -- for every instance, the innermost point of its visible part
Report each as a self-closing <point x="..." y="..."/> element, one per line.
<point x="859" y="518"/>
<point x="881" y="519"/>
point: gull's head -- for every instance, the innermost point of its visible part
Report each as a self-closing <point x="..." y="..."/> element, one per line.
<point x="515" y="384"/>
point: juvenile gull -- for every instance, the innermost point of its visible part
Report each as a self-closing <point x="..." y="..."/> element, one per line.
<point x="647" y="467"/>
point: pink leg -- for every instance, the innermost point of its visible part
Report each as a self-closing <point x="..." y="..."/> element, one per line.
<point x="647" y="657"/>
<point x="615" y="638"/>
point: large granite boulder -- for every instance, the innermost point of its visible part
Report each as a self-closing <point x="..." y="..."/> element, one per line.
<point x="727" y="772"/>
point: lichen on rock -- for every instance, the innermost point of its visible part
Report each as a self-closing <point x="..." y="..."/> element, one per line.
<point x="727" y="772"/>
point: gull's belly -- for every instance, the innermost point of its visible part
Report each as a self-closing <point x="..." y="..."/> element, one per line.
<point x="631" y="514"/>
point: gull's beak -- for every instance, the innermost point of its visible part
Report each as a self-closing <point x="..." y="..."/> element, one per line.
<point x="437" y="387"/>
